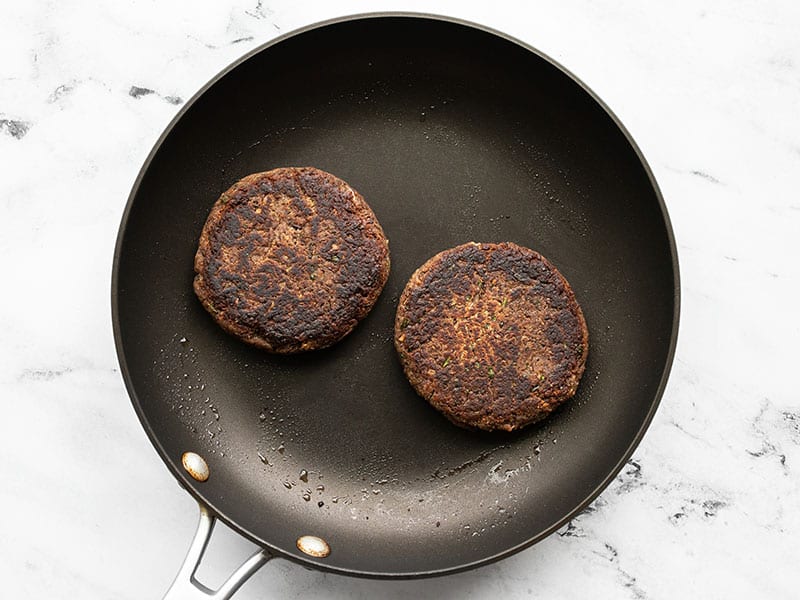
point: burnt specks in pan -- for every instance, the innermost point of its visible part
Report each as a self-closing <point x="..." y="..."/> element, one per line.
<point x="15" y="128"/>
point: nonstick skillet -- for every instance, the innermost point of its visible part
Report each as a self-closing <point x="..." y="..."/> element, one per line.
<point x="452" y="133"/>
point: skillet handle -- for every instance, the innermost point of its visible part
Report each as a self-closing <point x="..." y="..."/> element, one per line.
<point x="186" y="586"/>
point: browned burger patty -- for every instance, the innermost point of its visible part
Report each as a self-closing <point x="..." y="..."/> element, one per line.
<point x="290" y="260"/>
<point x="491" y="335"/>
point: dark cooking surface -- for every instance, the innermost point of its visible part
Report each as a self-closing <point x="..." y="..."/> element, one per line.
<point x="451" y="134"/>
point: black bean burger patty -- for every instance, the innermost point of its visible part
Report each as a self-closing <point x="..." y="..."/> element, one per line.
<point x="491" y="335"/>
<point x="290" y="260"/>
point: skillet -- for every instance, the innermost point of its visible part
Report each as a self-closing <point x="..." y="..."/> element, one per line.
<point x="452" y="132"/>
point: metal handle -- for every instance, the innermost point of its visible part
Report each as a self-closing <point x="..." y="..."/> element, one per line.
<point x="186" y="586"/>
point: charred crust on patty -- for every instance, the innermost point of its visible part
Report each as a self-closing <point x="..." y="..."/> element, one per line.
<point x="290" y="260"/>
<point x="491" y="335"/>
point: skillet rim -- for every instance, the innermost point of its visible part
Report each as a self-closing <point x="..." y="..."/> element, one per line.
<point x="173" y="465"/>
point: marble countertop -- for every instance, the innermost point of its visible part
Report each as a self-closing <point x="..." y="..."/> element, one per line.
<point x="709" y="505"/>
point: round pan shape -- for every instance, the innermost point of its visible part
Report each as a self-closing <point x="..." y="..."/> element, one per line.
<point x="454" y="133"/>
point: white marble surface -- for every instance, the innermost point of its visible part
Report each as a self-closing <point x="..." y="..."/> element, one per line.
<point x="710" y="506"/>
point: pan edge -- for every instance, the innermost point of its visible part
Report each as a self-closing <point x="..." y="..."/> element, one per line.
<point x="180" y="476"/>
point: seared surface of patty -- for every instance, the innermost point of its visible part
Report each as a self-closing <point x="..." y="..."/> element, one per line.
<point x="491" y="335"/>
<point x="290" y="260"/>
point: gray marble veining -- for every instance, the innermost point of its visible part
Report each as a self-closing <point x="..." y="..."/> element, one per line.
<point x="708" y="505"/>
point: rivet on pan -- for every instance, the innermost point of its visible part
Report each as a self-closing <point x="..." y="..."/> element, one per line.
<point x="313" y="546"/>
<point x="195" y="465"/>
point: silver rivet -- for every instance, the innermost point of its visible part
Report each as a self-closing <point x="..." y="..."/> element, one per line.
<point x="195" y="465"/>
<point x="313" y="546"/>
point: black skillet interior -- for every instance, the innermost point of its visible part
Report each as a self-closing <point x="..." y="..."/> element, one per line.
<point x="452" y="134"/>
